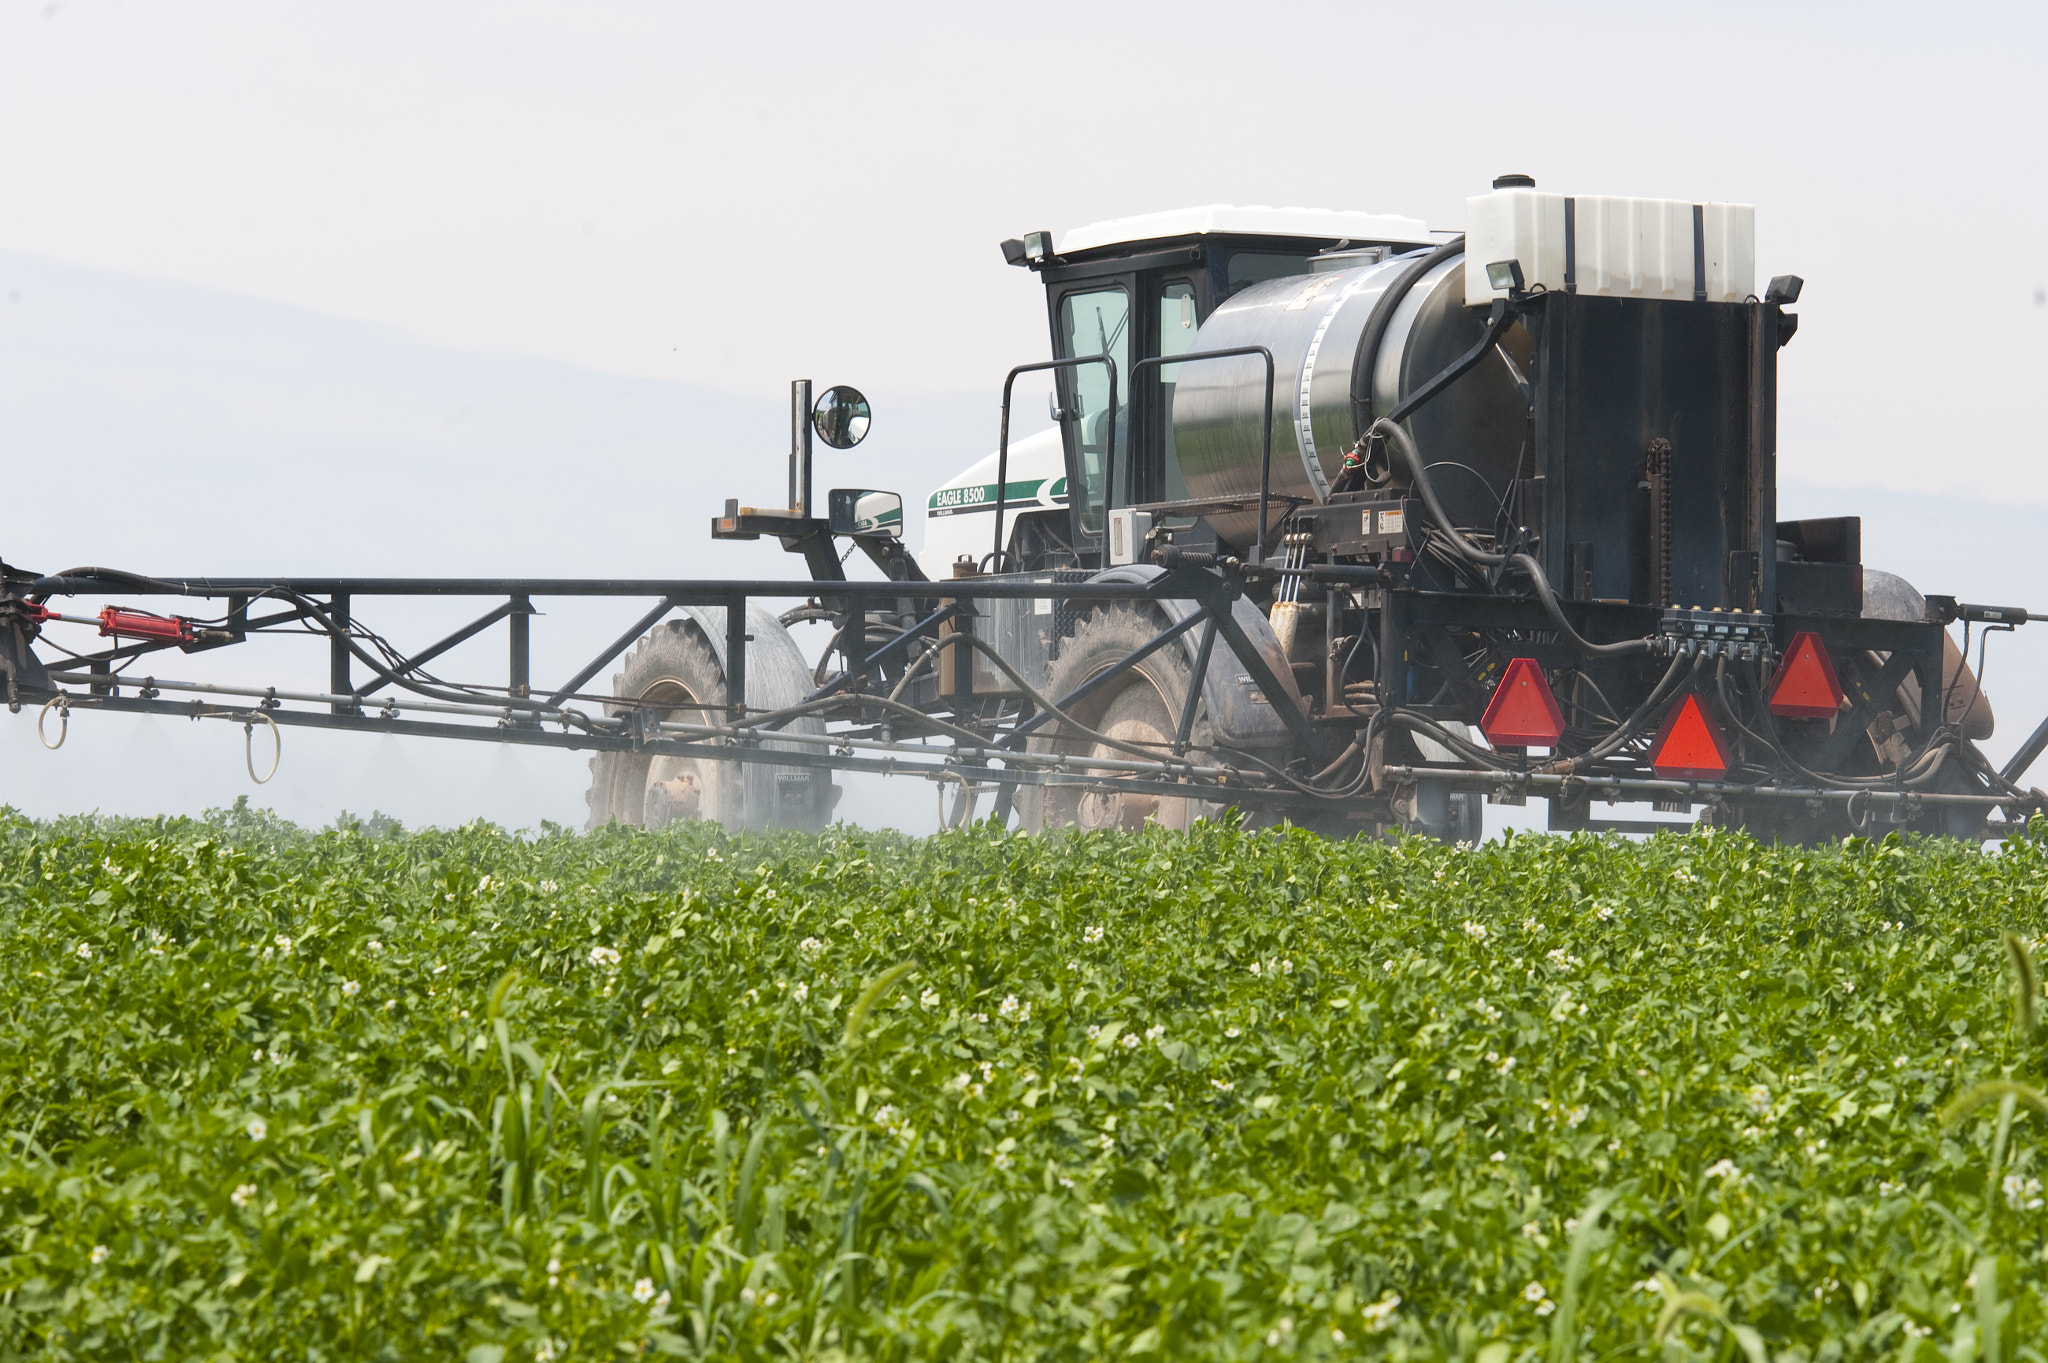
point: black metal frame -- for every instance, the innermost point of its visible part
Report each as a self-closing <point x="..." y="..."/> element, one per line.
<point x="980" y="750"/>
<point x="515" y="713"/>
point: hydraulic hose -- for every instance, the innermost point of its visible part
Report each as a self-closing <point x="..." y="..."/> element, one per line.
<point x="1404" y="448"/>
<point x="110" y="575"/>
<point x="958" y="734"/>
<point x="386" y="675"/>
<point x="1366" y="359"/>
<point x="1425" y="487"/>
<point x="1422" y="724"/>
<point x="1919" y="770"/>
<point x="1681" y="670"/>
<point x="1418" y="475"/>
<point x="1620" y="649"/>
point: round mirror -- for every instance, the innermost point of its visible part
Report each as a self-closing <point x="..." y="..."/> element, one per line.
<point x="841" y="417"/>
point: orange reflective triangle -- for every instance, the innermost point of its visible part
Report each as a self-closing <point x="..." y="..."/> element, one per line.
<point x="1688" y="747"/>
<point x="1523" y="713"/>
<point x="1805" y="686"/>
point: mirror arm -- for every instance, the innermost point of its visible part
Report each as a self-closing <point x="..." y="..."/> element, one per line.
<point x="800" y="447"/>
<point x="887" y="554"/>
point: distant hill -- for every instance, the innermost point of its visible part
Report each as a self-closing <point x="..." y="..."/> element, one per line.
<point x="172" y="429"/>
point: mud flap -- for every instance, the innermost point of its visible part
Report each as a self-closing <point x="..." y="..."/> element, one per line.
<point x="1435" y="810"/>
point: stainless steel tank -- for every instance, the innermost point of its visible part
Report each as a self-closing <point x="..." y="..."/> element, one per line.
<point x="1313" y="324"/>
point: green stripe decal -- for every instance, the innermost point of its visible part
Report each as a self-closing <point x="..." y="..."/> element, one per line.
<point x="982" y="496"/>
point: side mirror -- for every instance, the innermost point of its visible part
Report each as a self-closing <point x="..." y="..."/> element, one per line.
<point x="865" y="513"/>
<point x="841" y="417"/>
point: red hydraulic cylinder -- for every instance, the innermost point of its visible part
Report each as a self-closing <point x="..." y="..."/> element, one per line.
<point x="115" y="623"/>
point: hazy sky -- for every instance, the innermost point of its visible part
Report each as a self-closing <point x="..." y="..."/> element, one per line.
<point x="740" y="194"/>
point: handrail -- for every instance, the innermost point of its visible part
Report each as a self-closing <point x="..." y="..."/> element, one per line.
<point x="1265" y="430"/>
<point x="1003" y="441"/>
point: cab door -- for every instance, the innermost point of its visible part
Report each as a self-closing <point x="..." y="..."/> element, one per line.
<point x="1129" y="317"/>
<point x="1093" y="317"/>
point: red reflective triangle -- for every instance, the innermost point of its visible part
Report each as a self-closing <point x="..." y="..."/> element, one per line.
<point x="1805" y="686"/>
<point x="1688" y="747"/>
<point x="1523" y="713"/>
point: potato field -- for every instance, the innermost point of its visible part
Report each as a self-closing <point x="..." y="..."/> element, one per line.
<point x="368" y="1094"/>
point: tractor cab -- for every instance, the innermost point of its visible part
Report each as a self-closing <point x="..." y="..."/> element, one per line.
<point x="1123" y="298"/>
<point x="1133" y="292"/>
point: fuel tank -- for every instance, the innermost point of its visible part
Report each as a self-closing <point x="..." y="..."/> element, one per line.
<point x="1333" y="378"/>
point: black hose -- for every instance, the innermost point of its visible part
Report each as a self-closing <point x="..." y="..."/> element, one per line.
<point x="1364" y="633"/>
<point x="1916" y="771"/>
<point x="1425" y="487"/>
<point x="1678" y="673"/>
<point x="1366" y="358"/>
<point x="1418" y="475"/>
<point x="136" y="580"/>
<point x="1415" y="723"/>
<point x="1621" y="649"/>
<point x="347" y="640"/>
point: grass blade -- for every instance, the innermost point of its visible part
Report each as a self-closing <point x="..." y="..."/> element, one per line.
<point x="593" y="1169"/>
<point x="2026" y="1005"/>
<point x="1564" y="1345"/>
<point x="1990" y="1091"/>
<point x="750" y="1166"/>
<point x="1683" y="1304"/>
<point x="1990" y="1335"/>
<point x="857" y="1017"/>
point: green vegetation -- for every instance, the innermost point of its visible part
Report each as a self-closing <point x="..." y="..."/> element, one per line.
<point x="369" y="1094"/>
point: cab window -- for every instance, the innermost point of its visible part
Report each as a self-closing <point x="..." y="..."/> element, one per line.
<point x="1096" y="322"/>
<point x="1176" y="337"/>
<point x="1256" y="267"/>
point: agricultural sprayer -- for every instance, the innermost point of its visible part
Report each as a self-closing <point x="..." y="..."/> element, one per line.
<point x="1339" y="521"/>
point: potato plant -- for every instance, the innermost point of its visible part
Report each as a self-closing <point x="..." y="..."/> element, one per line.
<point x="362" y="1093"/>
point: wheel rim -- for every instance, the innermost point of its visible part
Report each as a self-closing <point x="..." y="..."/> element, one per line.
<point x="1140" y="716"/>
<point x="655" y="791"/>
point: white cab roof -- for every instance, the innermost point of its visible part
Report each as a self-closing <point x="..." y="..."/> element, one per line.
<point x="1257" y="219"/>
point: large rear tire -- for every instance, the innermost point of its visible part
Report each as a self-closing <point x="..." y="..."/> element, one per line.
<point x="676" y="671"/>
<point x="1143" y="709"/>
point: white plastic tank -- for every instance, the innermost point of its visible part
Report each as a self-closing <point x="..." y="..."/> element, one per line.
<point x="1614" y="247"/>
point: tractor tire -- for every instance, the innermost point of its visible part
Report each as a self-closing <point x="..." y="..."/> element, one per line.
<point x="676" y="669"/>
<point x="1144" y="709"/>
